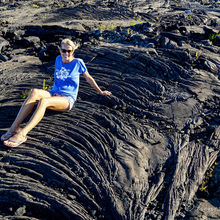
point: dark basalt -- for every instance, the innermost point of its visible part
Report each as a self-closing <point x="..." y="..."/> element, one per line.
<point x="151" y="150"/>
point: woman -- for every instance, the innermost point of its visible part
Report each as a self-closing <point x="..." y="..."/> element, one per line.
<point x="60" y="98"/>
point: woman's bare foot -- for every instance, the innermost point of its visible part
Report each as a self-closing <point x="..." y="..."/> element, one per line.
<point x="15" y="140"/>
<point x="9" y="134"/>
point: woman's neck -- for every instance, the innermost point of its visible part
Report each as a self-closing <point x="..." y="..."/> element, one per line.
<point x="69" y="60"/>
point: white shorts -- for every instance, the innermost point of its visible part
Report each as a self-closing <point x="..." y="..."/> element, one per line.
<point x="71" y="102"/>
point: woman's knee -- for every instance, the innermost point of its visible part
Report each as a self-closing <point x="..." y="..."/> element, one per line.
<point x="34" y="94"/>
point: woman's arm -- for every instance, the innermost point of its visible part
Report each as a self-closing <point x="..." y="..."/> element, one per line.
<point x="94" y="85"/>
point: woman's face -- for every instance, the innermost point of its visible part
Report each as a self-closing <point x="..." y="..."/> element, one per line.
<point x="66" y="52"/>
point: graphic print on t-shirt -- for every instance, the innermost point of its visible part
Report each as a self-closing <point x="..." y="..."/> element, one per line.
<point x="63" y="73"/>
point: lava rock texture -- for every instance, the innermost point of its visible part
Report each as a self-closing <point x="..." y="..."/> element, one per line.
<point x="151" y="150"/>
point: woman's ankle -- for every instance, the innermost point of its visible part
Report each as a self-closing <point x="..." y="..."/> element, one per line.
<point x="14" y="128"/>
<point x="22" y="132"/>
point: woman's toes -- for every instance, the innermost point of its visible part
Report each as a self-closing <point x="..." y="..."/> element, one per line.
<point x="15" y="141"/>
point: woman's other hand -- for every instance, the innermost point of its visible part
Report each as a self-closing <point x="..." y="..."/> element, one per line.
<point x="105" y="92"/>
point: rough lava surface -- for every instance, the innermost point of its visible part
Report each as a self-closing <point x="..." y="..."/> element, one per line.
<point x="151" y="150"/>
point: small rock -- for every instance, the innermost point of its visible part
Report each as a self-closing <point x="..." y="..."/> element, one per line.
<point x="75" y="26"/>
<point x="211" y="66"/>
<point x="197" y="121"/>
<point x="164" y="42"/>
<point x="3" y="43"/>
<point x="150" y="45"/>
<point x="206" y="42"/>
<point x="21" y="211"/>
<point x="217" y="41"/>
<point x="32" y="41"/>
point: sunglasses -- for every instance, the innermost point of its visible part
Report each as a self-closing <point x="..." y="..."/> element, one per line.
<point x="64" y="51"/>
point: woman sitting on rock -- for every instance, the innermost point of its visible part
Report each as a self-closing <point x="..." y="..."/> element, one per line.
<point x="60" y="98"/>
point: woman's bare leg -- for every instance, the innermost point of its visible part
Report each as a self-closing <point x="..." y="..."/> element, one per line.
<point x="25" y="109"/>
<point x="54" y="103"/>
<point x="28" y="105"/>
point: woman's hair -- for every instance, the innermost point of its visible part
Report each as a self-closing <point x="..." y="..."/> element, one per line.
<point x="70" y="43"/>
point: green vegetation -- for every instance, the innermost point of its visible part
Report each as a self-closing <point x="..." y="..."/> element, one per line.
<point x="188" y="17"/>
<point x="56" y="5"/>
<point x="134" y="22"/>
<point x="129" y="31"/>
<point x="208" y="176"/>
<point x="104" y="27"/>
<point x="198" y="54"/>
<point x="204" y="1"/>
<point x="212" y="37"/>
<point x="27" y="92"/>
<point x="35" y="6"/>
<point x="44" y="85"/>
<point x="89" y="2"/>
<point x="85" y="2"/>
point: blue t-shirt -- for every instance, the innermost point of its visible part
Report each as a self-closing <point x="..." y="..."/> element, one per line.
<point x="66" y="77"/>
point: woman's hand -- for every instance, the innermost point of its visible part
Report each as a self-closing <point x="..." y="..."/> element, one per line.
<point x="105" y="92"/>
